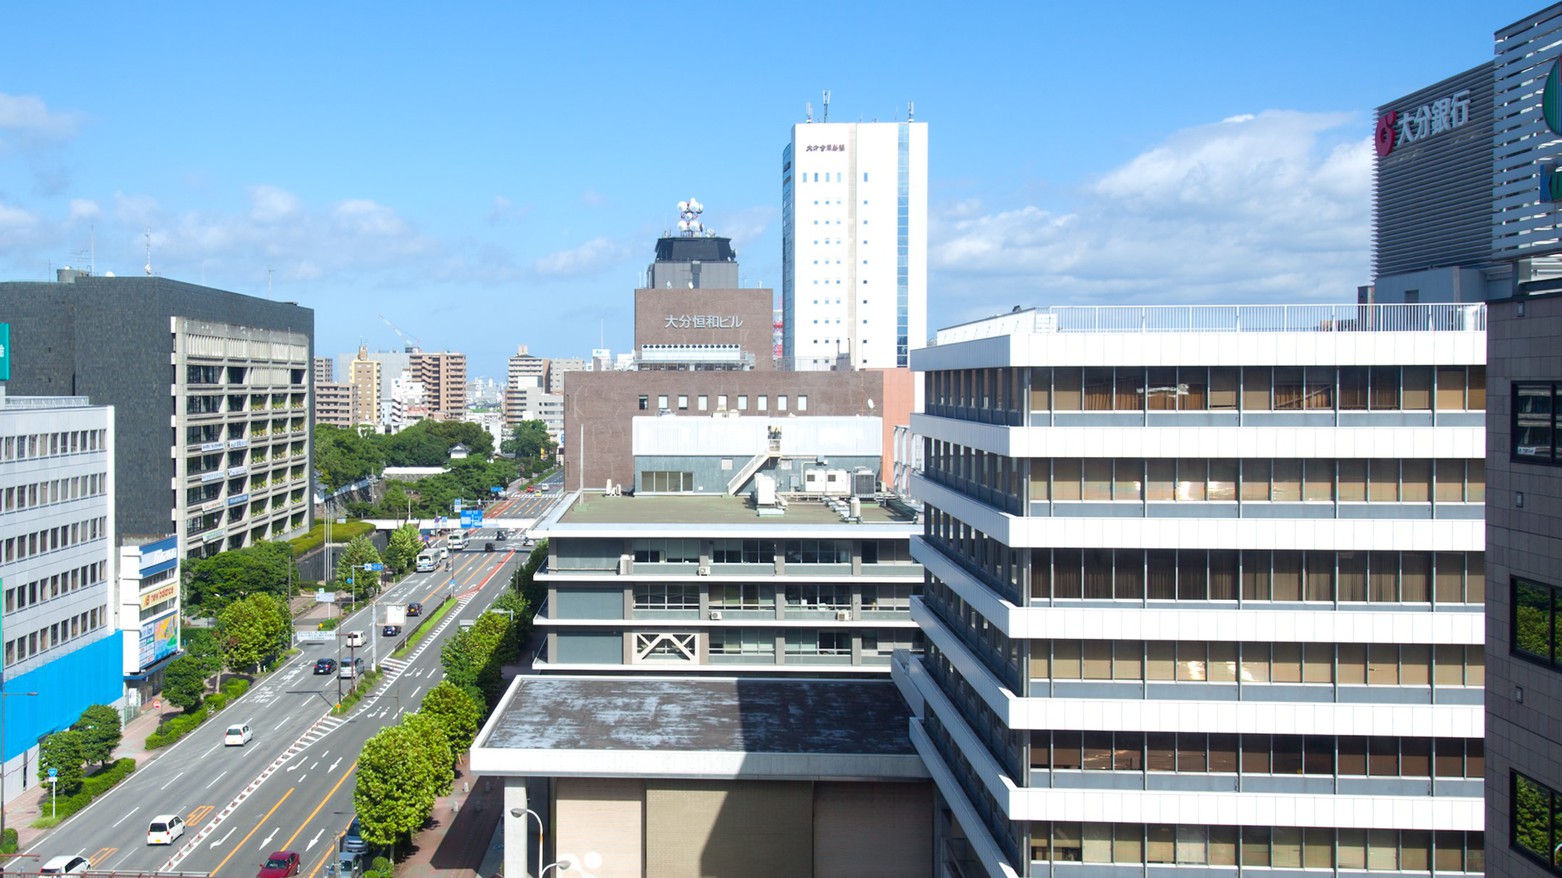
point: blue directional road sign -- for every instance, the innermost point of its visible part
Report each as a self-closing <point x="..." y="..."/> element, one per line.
<point x="376" y="567"/>
<point x="471" y="518"/>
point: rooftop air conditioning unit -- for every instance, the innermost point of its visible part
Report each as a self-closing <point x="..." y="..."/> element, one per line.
<point x="715" y="615"/>
<point x="702" y="570"/>
<point x="843" y="615"/>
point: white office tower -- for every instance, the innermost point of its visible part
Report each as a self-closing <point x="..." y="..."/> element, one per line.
<point x="854" y="244"/>
<point x="1205" y="590"/>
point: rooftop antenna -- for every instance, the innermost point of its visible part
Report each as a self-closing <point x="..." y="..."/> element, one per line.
<point x="808" y="110"/>
<point x="148" y="252"/>
<point x="689" y="224"/>
<point x="911" y="111"/>
<point x="92" y="248"/>
<point x="268" y="282"/>
<point x="826" y="116"/>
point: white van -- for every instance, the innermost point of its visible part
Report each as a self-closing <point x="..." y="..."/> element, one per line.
<point x="355" y="638"/>
<point x="444" y="552"/>
<point x="238" y="736"/>
<point x="165" y="829"/>
<point x="426" y="561"/>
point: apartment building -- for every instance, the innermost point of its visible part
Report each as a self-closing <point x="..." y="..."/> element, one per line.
<point x="443" y="376"/>
<point x="1205" y="590"/>
<point x="365" y="380"/>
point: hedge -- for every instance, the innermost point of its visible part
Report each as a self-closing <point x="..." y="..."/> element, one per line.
<point x="91" y="787"/>
<point x="177" y="727"/>
<point x="233" y="687"/>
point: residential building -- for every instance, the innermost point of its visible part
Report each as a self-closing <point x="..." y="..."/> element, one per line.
<point x="365" y="378"/>
<point x="443" y="375"/>
<point x="854" y="244"/>
<point x="147" y="612"/>
<point x="528" y="402"/>
<point x="392" y="363"/>
<point x="409" y="403"/>
<point x="558" y="367"/>
<point x="334" y="404"/>
<point x="325" y="370"/>
<point x="211" y="390"/>
<point x="1205" y="589"/>
<point x="523" y="365"/>
<point x="57" y="528"/>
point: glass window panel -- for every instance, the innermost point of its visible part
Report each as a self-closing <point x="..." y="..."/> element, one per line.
<point x="1352" y="756"/>
<point x="1098" y="660"/>
<point x="1040" y="750"/>
<point x="1532" y="620"/>
<point x="1383" y="664"/>
<point x="1098" y="389"/>
<point x="1475" y="758"/>
<point x="1285" y="846"/>
<point x="1222" y="666"/>
<point x="1352" y="577"/>
<point x="1353" y="388"/>
<point x="1318" y="389"/>
<point x="1161" y="481"/>
<point x="1067" y="751"/>
<point x="1255" y="479"/>
<point x="1040" y="389"/>
<point x="1449" y="852"/>
<point x="1126" y="480"/>
<point x="1383" y="481"/>
<point x="1192" y="845"/>
<point x="1068" y="389"/>
<point x="1067" y="839"/>
<point x="1317" y="848"/>
<point x="1288" y="388"/>
<point x="1352" y="481"/>
<point x="1255" y="388"/>
<point x="1450" y="389"/>
<point x="1448" y="758"/>
<point x="1160" y="660"/>
<point x="1318" y="480"/>
<point x="1382" y="849"/>
<point x="1128" y="660"/>
<point x="1098" y="574"/>
<point x="1318" y="754"/>
<point x="1160" y="844"/>
<point x="1448" y="669"/>
<point x="1415" y="480"/>
<point x="1255" y="845"/>
<point x="1255" y="663"/>
<point x="1417" y="382"/>
<point x="1255" y="575"/>
<point x="1415" y="757"/>
<point x="1223" y="480"/>
<point x="1066" y="476"/>
<point x="1287" y="576"/>
<point x="1223" y="388"/>
<point x="1067" y="577"/>
<point x="1450" y="481"/>
<point x="1286" y="662"/>
<point x="1383" y="756"/>
<point x="1128" y="751"/>
<point x="1128" y="381"/>
<point x="1191" y="752"/>
<point x="1098" y="842"/>
<point x="1223" y="753"/>
<point x="1065" y="659"/>
<point x="1040" y="661"/>
<point x="1161" y="389"/>
<point x="1532" y="421"/>
<point x="1161" y="583"/>
<point x="1317" y="663"/>
<point x="1128" y="574"/>
<point x="1192" y="576"/>
<point x="1223" y="846"/>
<point x="1475" y="480"/>
<point x="1160" y="751"/>
<point x="1222" y="575"/>
<point x="1098" y="479"/>
<point x="1384" y="391"/>
<point x="1097" y="751"/>
<point x="1256" y="754"/>
<point x="1475" y="387"/>
<point x="1351" y="848"/>
<point x="1352" y="663"/>
<point x="1287" y="754"/>
<point x="1191" y="477"/>
<point x="1383" y="577"/>
<point x="1191" y="656"/>
<point x="1194" y="388"/>
<point x="1128" y="843"/>
<point x="1474" y="666"/>
<point x="1320" y="576"/>
<point x="1287" y="484"/>
<point x="1415" y="577"/>
<point x="1475" y="578"/>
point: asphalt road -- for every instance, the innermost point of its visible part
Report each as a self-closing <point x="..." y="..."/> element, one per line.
<point x="290" y="788"/>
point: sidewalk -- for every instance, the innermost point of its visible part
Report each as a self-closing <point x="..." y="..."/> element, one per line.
<point x="463" y="836"/>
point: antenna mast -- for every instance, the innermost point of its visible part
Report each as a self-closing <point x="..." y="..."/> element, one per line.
<point x="826" y="116"/>
<point x="148" y="252"/>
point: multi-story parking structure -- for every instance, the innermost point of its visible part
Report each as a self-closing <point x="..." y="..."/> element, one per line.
<point x="1205" y="589"/>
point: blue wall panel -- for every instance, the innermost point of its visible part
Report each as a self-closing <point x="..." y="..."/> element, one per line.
<point x="66" y="686"/>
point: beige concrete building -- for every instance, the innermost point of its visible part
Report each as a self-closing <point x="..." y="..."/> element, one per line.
<point x="704" y="329"/>
<point x="364" y="381"/>
<point x="443" y="376"/>
<point x="333" y="404"/>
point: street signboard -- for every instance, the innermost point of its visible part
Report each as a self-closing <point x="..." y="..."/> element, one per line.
<point x="54" y="772"/>
<point x="396" y="615"/>
<point x="471" y="518"/>
<point x="455" y="505"/>
<point x="325" y="596"/>
<point x="375" y="567"/>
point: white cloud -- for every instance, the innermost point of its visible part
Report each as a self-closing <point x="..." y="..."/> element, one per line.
<point x="1267" y="207"/>
<point x="29" y="119"/>
<point x="504" y="210"/>
<point x="592" y="257"/>
<point x="84" y="209"/>
<point x="270" y="203"/>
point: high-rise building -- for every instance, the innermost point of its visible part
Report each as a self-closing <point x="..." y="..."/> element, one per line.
<point x="525" y="365"/>
<point x="558" y="367"/>
<point x="1205" y="597"/>
<point x="333" y="404"/>
<point x="366" y="378"/>
<point x="211" y="390"/>
<point x="325" y="371"/>
<point x="854" y="244"/>
<point x="57" y="553"/>
<point x="443" y="375"/>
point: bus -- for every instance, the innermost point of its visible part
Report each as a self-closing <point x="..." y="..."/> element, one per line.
<point x="425" y="562"/>
<point x="457" y="542"/>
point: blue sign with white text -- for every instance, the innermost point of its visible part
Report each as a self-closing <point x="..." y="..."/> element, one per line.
<point x="471" y="518"/>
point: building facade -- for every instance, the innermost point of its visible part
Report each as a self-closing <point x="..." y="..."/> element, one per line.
<point x="147" y="612"/>
<point x="366" y="378"/>
<point x="57" y="560"/>
<point x="443" y="376"/>
<point x="211" y="390"/>
<point x="854" y="244"/>
<point x="1204" y="597"/>
<point x="333" y="404"/>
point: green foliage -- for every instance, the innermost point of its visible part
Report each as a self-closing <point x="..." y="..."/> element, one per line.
<point x="204" y="646"/>
<point x="349" y="565"/>
<point x="328" y="624"/>
<point x="184" y="682"/>
<point x="435" y="747"/>
<point x="344" y="455"/>
<point x="91" y="788"/>
<point x="428" y="443"/>
<point x="467" y="479"/>
<point x="176" y="727"/>
<point x="381" y="868"/>
<point x="396" y="783"/>
<point x="401" y="550"/>
<point x="475" y="658"/>
<point x="456" y="712"/>
<point x="233" y="687"/>
<point x="264" y="568"/>
<point x="8" y="842"/>
<point x="100" y="732"/>
<point x="254" y="629"/>
<point x="530" y="442"/>
<point x="64" y="752"/>
<point x="315" y="537"/>
<point x="216" y="701"/>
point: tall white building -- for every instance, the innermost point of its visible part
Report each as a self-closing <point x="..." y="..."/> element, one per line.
<point x="854" y="244"/>
<point x="1205" y="590"/>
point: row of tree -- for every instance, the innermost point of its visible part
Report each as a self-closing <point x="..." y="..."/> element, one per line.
<point x="91" y="738"/>
<point x="469" y="480"/>
<point x="345" y="455"/>
<point x="250" y="632"/>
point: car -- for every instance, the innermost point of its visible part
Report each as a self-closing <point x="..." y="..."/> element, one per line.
<point x="325" y="666"/>
<point x="488" y="547"/>
<point x="501" y="535"/>
<point x="351" y="669"/>
<point x="281" y="864"/>
<point x="531" y="489"/>
<point x="165" y="829"/>
<point x="390" y="631"/>
<point x="66" y="865"/>
<point x="353" y="841"/>
<point x="238" y="735"/>
<point x="414" y="609"/>
<point x="355" y="638"/>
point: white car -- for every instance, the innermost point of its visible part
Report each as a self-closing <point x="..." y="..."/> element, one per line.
<point x="66" y="865"/>
<point x="238" y="735"/>
<point x="165" y="829"/>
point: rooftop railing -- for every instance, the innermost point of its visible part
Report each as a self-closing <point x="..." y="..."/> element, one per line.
<point x="1442" y="317"/>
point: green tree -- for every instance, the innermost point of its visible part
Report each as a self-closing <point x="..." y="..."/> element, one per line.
<point x="395" y="791"/>
<point x="457" y="713"/>
<point x="530" y="441"/>
<point x="254" y="629"/>
<point x="203" y="645"/>
<point x="345" y="455"/>
<point x="401" y="551"/>
<point x="349" y="565"/>
<point x="264" y="568"/>
<point x="435" y="748"/>
<point x="100" y="732"/>
<point x="184" y="682"/>
<point x="63" y="752"/>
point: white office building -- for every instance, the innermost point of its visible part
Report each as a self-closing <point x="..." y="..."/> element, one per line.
<point x="854" y="244"/>
<point x="1205" y="590"/>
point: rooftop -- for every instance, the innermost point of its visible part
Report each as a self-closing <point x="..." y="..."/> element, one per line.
<point x="709" y="509"/>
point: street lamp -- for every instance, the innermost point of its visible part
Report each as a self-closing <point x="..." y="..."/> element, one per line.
<point x="3" y="696"/>
<point x="517" y="812"/>
<point x="561" y="865"/>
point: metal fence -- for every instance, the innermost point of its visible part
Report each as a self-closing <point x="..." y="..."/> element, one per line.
<point x="1226" y="318"/>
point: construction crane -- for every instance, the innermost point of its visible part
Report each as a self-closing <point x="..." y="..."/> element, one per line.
<point x="406" y="339"/>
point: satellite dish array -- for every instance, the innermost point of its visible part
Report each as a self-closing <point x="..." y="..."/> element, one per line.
<point x="689" y="218"/>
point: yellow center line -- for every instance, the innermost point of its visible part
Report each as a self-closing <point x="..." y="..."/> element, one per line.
<point x="288" y="845"/>
<point x="245" y="840"/>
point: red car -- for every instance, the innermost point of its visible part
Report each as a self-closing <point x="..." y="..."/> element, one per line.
<point x="282" y="864"/>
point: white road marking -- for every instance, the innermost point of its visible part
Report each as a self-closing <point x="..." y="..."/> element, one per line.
<point x="267" y="843"/>
<point x="296" y="764"/>
<point x="223" y="839"/>
<point x="209" y="752"/>
<point x="313" y="840"/>
<point x="334" y="764"/>
<point x="415" y="693"/>
<point x="280" y="724"/>
<point x="215" y="779"/>
<point x="124" y="818"/>
<point x="171" y="782"/>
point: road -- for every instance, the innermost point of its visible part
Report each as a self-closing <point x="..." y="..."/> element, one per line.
<point x="291" y="787"/>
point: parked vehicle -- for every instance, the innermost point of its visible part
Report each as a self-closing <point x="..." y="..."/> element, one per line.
<point x="165" y="829"/>
<point x="352" y="840"/>
<point x="282" y="864"/>
<point x="325" y="666"/>
<point x="238" y="736"/>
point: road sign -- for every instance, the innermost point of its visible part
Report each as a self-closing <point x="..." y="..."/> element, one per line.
<point x="471" y="518"/>
<point x="323" y="596"/>
<point x="376" y="567"/>
<point x="53" y="773"/>
<point x="157" y="704"/>
<point x="456" y="505"/>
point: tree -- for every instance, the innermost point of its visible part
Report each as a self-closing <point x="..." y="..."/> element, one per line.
<point x="436" y="749"/>
<point x="203" y="645"/>
<point x="62" y="752"/>
<point x="100" y="732"/>
<point x="530" y="441"/>
<point x="254" y="629"/>
<point x="345" y="455"/>
<point x="401" y="551"/>
<point x="395" y="791"/>
<point x="349" y="564"/>
<point x="457" y="713"/>
<point x="263" y="568"/>
<point x="184" y="682"/>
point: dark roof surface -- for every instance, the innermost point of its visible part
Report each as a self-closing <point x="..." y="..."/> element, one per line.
<point x="740" y="715"/>
<point x="695" y="249"/>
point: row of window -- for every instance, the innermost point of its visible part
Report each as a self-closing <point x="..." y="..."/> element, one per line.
<point x="1537" y="822"/>
<point x="33" y="445"/>
<point x="54" y="538"/>
<point x="55" y="585"/>
<point x="1537" y="422"/>
<point x="1258" y="575"/>
<point x="753" y="596"/>
<point x="1411" y="850"/>
<point x="1216" y="388"/>
<point x="1378" y="480"/>
<point x="664" y="402"/>
<point x="48" y="637"/>
<point x="687" y="551"/>
<point x="798" y="642"/>
<point x="1535" y="632"/>
<point x="53" y="491"/>
<point x="1345" y="664"/>
<point x="1201" y="753"/>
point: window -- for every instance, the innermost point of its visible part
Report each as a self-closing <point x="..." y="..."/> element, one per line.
<point x="702" y="402"/>
<point x="802" y="402"/>
<point x="742" y="596"/>
<point x="1534" y="622"/>
<point x="683" y="403"/>
<point x="645" y="402"/>
<point x="1534" y="422"/>
<point x="1536" y="821"/>
<point x="666" y="596"/>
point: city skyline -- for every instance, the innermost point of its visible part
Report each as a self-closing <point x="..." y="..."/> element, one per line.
<point x="438" y="183"/>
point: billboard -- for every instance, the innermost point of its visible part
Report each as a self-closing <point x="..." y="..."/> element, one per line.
<point x="5" y="352"/>
<point x="159" y="639"/>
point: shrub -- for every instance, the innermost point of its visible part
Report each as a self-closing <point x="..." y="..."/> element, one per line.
<point x="91" y="788"/>
<point x="175" y="728"/>
<point x="233" y="687"/>
<point x="216" y="702"/>
<point x="328" y="624"/>
<point x="8" y="844"/>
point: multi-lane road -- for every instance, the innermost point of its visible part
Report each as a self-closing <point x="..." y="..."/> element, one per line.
<point x="290" y="788"/>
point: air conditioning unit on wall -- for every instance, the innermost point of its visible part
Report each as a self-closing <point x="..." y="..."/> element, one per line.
<point x="715" y="615"/>
<point x="843" y="615"/>
<point x="702" y="570"/>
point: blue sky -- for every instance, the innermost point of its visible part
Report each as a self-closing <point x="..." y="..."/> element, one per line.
<point x="486" y="175"/>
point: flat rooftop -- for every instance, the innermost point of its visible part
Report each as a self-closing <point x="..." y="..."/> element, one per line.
<point x="711" y="509"/>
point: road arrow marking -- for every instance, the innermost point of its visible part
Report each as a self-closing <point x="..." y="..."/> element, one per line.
<point x="334" y="764"/>
<point x="267" y="842"/>
<point x="296" y="764"/>
<point x="313" y="840"/>
<point x="223" y="839"/>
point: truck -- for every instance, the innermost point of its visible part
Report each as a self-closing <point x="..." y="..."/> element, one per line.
<point x="425" y="562"/>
